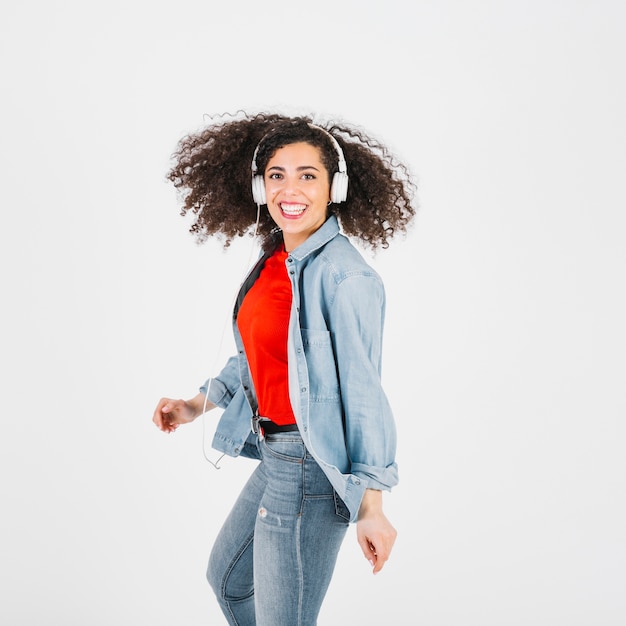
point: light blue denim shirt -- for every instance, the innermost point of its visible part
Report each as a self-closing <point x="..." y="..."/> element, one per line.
<point x="334" y="354"/>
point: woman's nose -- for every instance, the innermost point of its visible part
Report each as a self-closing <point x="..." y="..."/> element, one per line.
<point x="292" y="185"/>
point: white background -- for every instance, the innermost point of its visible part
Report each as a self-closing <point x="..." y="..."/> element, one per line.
<point x="505" y="343"/>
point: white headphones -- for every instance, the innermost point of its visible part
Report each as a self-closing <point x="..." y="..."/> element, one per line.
<point x="338" y="188"/>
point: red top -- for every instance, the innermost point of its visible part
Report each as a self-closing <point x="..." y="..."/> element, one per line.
<point x="263" y="321"/>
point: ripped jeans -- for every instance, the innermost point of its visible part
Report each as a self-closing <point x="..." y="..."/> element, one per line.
<point x="273" y="559"/>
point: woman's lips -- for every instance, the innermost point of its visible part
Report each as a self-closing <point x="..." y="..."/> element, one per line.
<point x="292" y="210"/>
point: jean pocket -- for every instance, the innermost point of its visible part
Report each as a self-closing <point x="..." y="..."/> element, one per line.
<point x="284" y="447"/>
<point x="341" y="509"/>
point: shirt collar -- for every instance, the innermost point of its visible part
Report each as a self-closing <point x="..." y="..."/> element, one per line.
<point x="327" y="231"/>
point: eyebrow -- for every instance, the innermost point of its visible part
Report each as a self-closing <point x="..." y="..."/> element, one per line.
<point x="298" y="169"/>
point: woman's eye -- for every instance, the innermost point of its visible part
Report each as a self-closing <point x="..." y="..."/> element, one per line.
<point x="308" y="176"/>
<point x="275" y="176"/>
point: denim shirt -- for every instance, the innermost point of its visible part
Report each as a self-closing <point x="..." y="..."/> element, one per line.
<point x="334" y="351"/>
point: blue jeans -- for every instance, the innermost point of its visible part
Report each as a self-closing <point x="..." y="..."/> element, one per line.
<point x="273" y="559"/>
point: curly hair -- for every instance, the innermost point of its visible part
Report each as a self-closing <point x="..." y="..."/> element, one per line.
<point x="212" y="172"/>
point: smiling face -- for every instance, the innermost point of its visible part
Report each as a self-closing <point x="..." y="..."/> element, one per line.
<point x="297" y="188"/>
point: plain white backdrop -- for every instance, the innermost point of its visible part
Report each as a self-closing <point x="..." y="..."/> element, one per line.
<point x="505" y="342"/>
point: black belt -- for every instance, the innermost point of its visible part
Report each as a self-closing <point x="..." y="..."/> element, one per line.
<point x="269" y="427"/>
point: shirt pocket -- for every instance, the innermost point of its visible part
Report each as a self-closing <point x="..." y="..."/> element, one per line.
<point x="322" y="366"/>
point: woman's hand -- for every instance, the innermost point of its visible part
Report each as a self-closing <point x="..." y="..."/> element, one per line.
<point x="170" y="414"/>
<point x="374" y="532"/>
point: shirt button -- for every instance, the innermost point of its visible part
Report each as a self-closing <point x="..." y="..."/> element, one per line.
<point x="303" y="390"/>
<point x="357" y="481"/>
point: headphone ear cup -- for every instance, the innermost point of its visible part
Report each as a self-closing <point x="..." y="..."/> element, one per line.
<point x="258" y="190"/>
<point x="339" y="188"/>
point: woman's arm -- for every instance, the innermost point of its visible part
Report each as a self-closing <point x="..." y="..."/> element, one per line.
<point x="170" y="414"/>
<point x="375" y="533"/>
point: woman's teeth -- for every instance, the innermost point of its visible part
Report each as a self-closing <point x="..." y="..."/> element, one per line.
<point x="293" y="209"/>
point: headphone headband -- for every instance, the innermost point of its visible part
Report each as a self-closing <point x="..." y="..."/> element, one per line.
<point x="342" y="161"/>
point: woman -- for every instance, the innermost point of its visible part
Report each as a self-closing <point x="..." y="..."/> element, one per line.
<point x="304" y="393"/>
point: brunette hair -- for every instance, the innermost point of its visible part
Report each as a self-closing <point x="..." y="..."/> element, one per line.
<point x="212" y="171"/>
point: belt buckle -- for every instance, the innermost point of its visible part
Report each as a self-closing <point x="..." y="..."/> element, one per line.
<point x="256" y="427"/>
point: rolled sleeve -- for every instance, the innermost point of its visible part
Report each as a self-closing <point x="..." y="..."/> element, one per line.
<point x="375" y="477"/>
<point x="358" y="319"/>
